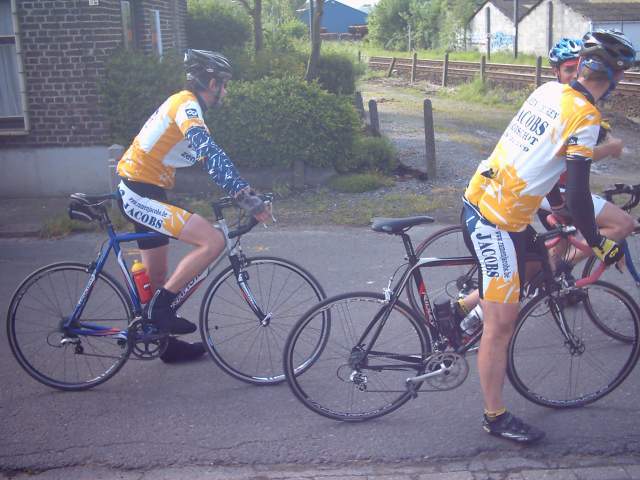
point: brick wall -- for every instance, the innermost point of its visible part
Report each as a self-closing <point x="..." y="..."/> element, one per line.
<point x="65" y="45"/>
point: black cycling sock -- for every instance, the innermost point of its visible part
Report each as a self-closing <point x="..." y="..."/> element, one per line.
<point x="164" y="298"/>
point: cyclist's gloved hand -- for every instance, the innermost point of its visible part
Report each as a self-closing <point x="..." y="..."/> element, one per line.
<point x="609" y="251"/>
<point x="252" y="203"/>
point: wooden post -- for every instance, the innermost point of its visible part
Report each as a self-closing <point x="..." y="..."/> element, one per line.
<point x="373" y="118"/>
<point x="359" y="103"/>
<point x="483" y="68"/>
<point x="538" y="71"/>
<point x="393" y="64"/>
<point x="414" y="65"/>
<point x="445" y="69"/>
<point x="429" y="139"/>
<point x="359" y="56"/>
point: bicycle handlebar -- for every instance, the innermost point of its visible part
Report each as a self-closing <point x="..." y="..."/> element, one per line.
<point x="568" y="231"/>
<point x="226" y="202"/>
<point x="620" y="189"/>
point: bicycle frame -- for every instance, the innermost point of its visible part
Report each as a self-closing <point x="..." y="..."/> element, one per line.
<point x="393" y="292"/>
<point x="233" y="252"/>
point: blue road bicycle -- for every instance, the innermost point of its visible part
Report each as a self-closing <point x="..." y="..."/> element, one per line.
<point x="73" y="326"/>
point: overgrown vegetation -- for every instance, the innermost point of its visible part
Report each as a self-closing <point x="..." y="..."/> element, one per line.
<point x="370" y="154"/>
<point x="487" y="94"/>
<point x="359" y="182"/>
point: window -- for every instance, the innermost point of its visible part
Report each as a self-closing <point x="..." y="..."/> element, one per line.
<point x="12" y="98"/>
<point x="128" y="29"/>
<point x="156" y="33"/>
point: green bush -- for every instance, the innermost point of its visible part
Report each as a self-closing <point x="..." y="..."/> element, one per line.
<point x="216" y="25"/>
<point x="270" y="63"/>
<point x="133" y="86"/>
<point x="337" y="73"/>
<point x="370" y="154"/>
<point x="273" y="122"/>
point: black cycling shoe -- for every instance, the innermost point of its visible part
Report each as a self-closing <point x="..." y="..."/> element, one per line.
<point x="168" y="322"/>
<point x="178" y="351"/>
<point x="512" y="428"/>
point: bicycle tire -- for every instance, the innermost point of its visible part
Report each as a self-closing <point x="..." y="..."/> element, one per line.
<point x="545" y="370"/>
<point x="460" y="280"/>
<point x="51" y="294"/>
<point x="329" y="380"/>
<point x="623" y="279"/>
<point x="231" y="332"/>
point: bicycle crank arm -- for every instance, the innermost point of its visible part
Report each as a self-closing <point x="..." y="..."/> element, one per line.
<point x="420" y="378"/>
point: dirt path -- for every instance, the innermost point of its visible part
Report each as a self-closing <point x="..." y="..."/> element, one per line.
<point x="466" y="133"/>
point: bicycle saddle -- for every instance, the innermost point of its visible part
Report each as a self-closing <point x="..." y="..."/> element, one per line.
<point x="92" y="199"/>
<point x="398" y="225"/>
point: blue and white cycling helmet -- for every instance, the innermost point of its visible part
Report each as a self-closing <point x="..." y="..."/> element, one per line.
<point x="565" y="49"/>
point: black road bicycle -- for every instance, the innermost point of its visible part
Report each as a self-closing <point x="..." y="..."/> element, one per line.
<point x="378" y="352"/>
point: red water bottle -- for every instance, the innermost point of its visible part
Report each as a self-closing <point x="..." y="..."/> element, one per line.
<point x="141" y="279"/>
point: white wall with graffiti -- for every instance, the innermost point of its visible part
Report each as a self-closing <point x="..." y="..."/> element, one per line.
<point x="539" y="29"/>
<point x="549" y="21"/>
<point x="501" y="29"/>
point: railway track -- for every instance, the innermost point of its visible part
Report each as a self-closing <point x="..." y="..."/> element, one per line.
<point x="497" y="72"/>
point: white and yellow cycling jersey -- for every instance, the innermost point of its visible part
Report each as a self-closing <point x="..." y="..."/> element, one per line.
<point x="161" y="146"/>
<point x="557" y="122"/>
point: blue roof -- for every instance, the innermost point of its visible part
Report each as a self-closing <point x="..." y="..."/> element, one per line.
<point x="337" y="17"/>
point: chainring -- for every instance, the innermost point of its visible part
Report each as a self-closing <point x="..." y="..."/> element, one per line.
<point x="146" y="342"/>
<point x="455" y="370"/>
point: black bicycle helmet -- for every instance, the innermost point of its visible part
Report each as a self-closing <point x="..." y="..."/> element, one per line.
<point x="202" y="65"/>
<point x="607" y="49"/>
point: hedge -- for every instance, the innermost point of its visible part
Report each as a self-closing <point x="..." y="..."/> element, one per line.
<point x="133" y="87"/>
<point x="273" y="122"/>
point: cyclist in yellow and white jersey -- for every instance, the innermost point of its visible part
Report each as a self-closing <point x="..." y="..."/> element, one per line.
<point x="176" y="136"/>
<point x="556" y="129"/>
<point x="612" y="221"/>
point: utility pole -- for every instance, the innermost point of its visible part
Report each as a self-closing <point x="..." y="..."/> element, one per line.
<point x="515" y="23"/>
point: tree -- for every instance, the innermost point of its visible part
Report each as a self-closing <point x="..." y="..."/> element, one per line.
<point x="314" y="57"/>
<point x="216" y="25"/>
<point x="254" y="9"/>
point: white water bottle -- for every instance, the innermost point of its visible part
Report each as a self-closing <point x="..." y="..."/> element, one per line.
<point x="472" y="322"/>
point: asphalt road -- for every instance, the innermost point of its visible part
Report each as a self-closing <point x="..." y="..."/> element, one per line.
<point x="152" y="415"/>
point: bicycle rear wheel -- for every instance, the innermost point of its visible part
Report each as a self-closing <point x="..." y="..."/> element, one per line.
<point x="245" y="346"/>
<point x="457" y="281"/>
<point x="550" y="370"/>
<point x="83" y="356"/>
<point x="344" y="383"/>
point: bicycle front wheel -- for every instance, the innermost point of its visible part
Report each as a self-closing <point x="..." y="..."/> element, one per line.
<point x="245" y="346"/>
<point x="458" y="281"/>
<point x="574" y="368"/>
<point x="624" y="279"/>
<point x="83" y="355"/>
<point x="362" y="370"/>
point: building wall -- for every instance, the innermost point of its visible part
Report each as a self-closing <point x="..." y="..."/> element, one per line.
<point x="501" y="26"/>
<point x="535" y="30"/>
<point x="337" y="17"/>
<point x="65" y="44"/>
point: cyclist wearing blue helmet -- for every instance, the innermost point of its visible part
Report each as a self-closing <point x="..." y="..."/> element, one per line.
<point x="563" y="58"/>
